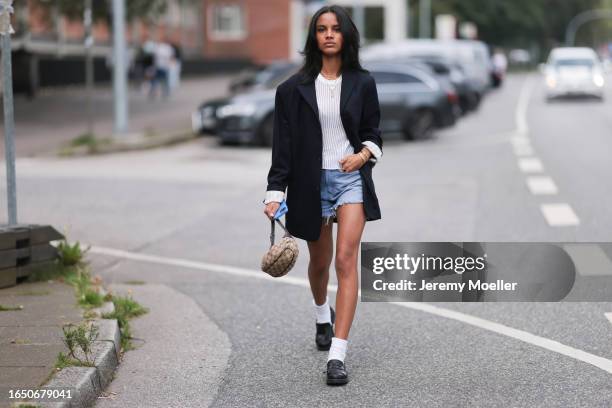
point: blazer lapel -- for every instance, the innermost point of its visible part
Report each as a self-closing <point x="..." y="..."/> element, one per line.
<point x="309" y="94"/>
<point x="348" y="83"/>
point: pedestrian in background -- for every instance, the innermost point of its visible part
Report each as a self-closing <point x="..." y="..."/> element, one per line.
<point x="163" y="57"/>
<point x="326" y="140"/>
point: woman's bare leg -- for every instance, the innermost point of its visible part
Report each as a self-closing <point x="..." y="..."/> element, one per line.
<point x="321" y="254"/>
<point x="351" y="221"/>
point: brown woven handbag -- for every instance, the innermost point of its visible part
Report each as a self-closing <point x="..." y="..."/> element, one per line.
<point x="281" y="257"/>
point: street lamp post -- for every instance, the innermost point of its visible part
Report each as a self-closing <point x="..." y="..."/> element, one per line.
<point x="89" y="68"/>
<point x="583" y="18"/>
<point x="6" y="8"/>
<point x="120" y="71"/>
<point x="425" y="18"/>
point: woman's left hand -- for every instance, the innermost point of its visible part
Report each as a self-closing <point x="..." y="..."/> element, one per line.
<point x="351" y="162"/>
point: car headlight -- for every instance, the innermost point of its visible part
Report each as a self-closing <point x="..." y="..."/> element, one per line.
<point x="551" y="81"/>
<point x="598" y="80"/>
<point x="238" y="109"/>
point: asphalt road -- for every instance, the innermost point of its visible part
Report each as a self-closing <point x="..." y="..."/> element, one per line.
<point x="190" y="217"/>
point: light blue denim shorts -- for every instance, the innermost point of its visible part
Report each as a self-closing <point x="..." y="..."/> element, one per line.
<point x="338" y="188"/>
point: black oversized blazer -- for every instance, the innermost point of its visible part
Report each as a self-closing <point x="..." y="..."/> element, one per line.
<point x="297" y="150"/>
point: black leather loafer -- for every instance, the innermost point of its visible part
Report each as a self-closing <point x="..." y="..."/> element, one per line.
<point x="336" y="373"/>
<point x="325" y="332"/>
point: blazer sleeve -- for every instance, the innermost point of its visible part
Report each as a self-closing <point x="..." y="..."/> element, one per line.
<point x="281" y="148"/>
<point x="369" y="129"/>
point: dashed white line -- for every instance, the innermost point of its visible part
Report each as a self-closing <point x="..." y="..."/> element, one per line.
<point x="521" y="110"/>
<point x="521" y="335"/>
<point x="523" y="150"/>
<point x="560" y="215"/>
<point x="609" y="316"/>
<point x="520" y="140"/>
<point x="541" y="185"/>
<point x="530" y="165"/>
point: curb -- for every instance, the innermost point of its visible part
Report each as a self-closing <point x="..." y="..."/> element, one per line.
<point x="127" y="144"/>
<point x="87" y="383"/>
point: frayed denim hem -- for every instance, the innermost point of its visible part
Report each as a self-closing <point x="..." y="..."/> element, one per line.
<point x="328" y="218"/>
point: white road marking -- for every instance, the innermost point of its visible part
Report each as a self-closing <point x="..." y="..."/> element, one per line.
<point x="523" y="150"/>
<point x="609" y="316"/>
<point x="521" y="335"/>
<point x="530" y="165"/>
<point x="522" y="126"/>
<point x="520" y="140"/>
<point x="559" y="215"/>
<point x="590" y="260"/>
<point x="541" y="185"/>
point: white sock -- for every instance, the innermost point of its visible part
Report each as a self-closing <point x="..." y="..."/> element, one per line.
<point x="322" y="311"/>
<point x="337" y="351"/>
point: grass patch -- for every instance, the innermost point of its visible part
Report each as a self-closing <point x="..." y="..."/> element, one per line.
<point x="90" y="298"/>
<point x="71" y="255"/>
<point x="126" y="308"/>
<point x="33" y="293"/>
<point x="89" y="141"/>
<point x="49" y="272"/>
<point x="80" y="340"/>
<point x="10" y="308"/>
<point x="135" y="282"/>
<point x="64" y="361"/>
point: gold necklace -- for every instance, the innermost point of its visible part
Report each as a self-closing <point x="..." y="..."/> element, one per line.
<point x="326" y="76"/>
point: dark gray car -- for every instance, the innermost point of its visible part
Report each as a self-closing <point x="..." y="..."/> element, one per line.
<point x="412" y="101"/>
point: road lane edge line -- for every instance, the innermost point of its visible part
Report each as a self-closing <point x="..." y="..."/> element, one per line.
<point x="517" y="334"/>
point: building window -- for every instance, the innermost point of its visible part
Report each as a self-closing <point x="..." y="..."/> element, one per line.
<point x="374" y="23"/>
<point x="227" y="22"/>
<point x="373" y="29"/>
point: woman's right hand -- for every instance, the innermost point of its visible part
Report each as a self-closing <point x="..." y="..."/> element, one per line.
<point x="270" y="209"/>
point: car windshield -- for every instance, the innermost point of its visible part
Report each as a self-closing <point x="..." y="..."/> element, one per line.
<point x="574" y="62"/>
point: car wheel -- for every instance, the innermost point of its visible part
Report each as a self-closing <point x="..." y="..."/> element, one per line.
<point x="266" y="131"/>
<point x="422" y="125"/>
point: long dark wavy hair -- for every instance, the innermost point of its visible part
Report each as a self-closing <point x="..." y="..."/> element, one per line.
<point x="313" y="57"/>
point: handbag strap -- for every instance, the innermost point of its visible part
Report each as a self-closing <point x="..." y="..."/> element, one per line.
<point x="272" y="233"/>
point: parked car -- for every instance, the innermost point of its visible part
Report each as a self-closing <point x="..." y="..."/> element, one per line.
<point x="472" y="56"/>
<point x="248" y="118"/>
<point x="262" y="77"/>
<point x="205" y="119"/>
<point x="412" y="101"/>
<point x="573" y="71"/>
<point x="445" y="71"/>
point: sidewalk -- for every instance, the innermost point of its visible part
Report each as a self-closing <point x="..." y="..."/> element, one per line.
<point x="59" y="115"/>
<point x="31" y="338"/>
<point x="180" y="355"/>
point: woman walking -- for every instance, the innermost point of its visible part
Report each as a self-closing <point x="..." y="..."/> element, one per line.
<point x="326" y="140"/>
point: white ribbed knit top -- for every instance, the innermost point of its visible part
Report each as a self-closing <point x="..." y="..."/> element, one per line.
<point x="335" y="143"/>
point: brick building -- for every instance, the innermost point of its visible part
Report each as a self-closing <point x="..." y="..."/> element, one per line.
<point x="213" y="35"/>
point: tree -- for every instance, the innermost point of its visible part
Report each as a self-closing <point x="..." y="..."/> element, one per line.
<point x="518" y="22"/>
